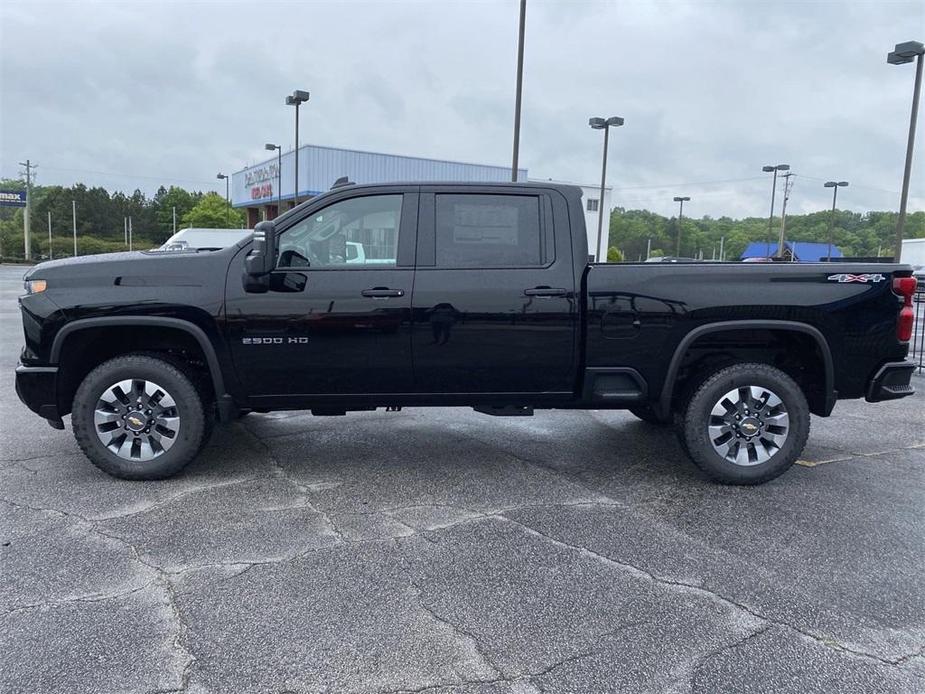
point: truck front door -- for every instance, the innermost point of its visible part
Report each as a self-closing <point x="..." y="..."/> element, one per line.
<point x="495" y="308"/>
<point x="336" y="320"/>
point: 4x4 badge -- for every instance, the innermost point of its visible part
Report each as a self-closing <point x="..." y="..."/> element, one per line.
<point x="863" y="279"/>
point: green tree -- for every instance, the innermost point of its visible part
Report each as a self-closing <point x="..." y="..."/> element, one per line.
<point x="614" y="255"/>
<point x="212" y="212"/>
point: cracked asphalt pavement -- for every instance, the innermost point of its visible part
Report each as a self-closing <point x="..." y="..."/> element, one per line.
<point x="447" y="551"/>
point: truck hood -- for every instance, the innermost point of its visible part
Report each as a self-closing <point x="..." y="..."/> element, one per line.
<point x="138" y="268"/>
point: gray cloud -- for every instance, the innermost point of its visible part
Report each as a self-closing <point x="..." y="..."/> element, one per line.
<point x="174" y="92"/>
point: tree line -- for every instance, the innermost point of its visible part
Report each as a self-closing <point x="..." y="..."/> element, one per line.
<point x="101" y="218"/>
<point x="101" y="215"/>
<point x="856" y="234"/>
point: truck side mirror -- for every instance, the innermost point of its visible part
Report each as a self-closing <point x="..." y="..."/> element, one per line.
<point x="262" y="258"/>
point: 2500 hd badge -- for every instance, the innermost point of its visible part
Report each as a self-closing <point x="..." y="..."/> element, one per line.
<point x="274" y="340"/>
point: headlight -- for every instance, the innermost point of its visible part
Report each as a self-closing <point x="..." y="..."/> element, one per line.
<point x="35" y="286"/>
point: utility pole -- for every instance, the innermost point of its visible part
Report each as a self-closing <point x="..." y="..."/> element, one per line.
<point x="681" y="200"/>
<point x="788" y="184"/>
<point x="722" y="242"/>
<point x="906" y="53"/>
<point x="130" y="233"/>
<point x="74" y="223"/>
<point x="51" y="252"/>
<point x="768" y="169"/>
<point x="125" y="231"/>
<point x="175" y="219"/>
<point x="519" y="90"/>
<point x="28" y="211"/>
<point x="648" y="248"/>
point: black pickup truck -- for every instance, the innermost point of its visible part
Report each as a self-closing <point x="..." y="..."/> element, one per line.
<point x="480" y="295"/>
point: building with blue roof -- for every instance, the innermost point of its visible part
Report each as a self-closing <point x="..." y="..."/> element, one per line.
<point x="798" y="251"/>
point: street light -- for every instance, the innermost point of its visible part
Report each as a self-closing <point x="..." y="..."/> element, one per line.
<point x="775" y="169"/>
<point x="834" y="185"/>
<point x="220" y="177"/>
<point x="297" y="98"/>
<point x="279" y="175"/>
<point x="519" y="89"/>
<point x="902" y="54"/>
<point x="605" y="125"/>
<point x="681" y="201"/>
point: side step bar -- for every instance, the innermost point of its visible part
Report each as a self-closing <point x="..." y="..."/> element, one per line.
<point x="505" y="410"/>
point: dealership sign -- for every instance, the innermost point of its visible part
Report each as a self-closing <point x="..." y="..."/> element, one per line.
<point x="259" y="180"/>
<point x="12" y="198"/>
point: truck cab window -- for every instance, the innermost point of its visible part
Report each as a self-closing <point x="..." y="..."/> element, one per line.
<point x="354" y="233"/>
<point x="488" y="231"/>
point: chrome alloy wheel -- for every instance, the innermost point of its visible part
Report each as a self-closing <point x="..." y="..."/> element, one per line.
<point x="136" y="419"/>
<point x="748" y="425"/>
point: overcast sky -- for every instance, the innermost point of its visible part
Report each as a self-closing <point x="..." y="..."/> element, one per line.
<point x="138" y="94"/>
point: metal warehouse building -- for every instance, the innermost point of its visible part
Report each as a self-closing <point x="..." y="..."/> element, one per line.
<point x="267" y="188"/>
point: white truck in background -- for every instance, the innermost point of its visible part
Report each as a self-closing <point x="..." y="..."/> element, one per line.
<point x="913" y="253"/>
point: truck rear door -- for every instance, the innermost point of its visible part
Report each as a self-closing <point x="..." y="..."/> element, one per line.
<point x="494" y="307"/>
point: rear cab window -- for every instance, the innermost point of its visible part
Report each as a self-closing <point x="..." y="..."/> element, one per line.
<point x="490" y="230"/>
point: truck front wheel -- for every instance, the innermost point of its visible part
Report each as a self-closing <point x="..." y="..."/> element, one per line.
<point x="746" y="424"/>
<point x="139" y="417"/>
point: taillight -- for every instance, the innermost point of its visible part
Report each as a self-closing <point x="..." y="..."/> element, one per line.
<point x="905" y="287"/>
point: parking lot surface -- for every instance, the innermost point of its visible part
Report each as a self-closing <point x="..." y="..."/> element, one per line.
<point x="447" y="551"/>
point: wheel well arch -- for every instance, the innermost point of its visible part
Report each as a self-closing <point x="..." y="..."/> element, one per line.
<point x="799" y="349"/>
<point x="81" y="346"/>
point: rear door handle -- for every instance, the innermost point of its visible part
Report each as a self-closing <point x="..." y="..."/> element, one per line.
<point x="545" y="291"/>
<point x="382" y="292"/>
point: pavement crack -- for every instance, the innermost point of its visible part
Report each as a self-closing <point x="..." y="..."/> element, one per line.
<point x="826" y="641"/>
<point x="304" y="490"/>
<point x="460" y="633"/>
<point x="160" y="578"/>
<point x="86" y="598"/>
<point x="716" y="652"/>
<point x="173" y="497"/>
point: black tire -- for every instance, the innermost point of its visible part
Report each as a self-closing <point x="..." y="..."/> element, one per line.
<point x="780" y="440"/>
<point x="194" y="418"/>
<point x="647" y="415"/>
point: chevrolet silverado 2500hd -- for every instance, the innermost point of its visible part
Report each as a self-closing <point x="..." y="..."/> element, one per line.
<point x="468" y="295"/>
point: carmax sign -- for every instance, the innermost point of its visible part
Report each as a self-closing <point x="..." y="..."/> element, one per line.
<point x="12" y="198"/>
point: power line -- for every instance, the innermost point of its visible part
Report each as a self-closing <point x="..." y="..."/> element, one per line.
<point x="691" y="183"/>
<point x="853" y="185"/>
<point x="125" y="175"/>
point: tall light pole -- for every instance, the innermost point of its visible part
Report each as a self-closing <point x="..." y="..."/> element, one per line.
<point x="834" y="185"/>
<point x="603" y="124"/>
<point x="297" y="98"/>
<point x="223" y="177"/>
<point x="681" y="201"/>
<point x="74" y="224"/>
<point x="519" y="89"/>
<point x="783" y="216"/>
<point x="906" y="53"/>
<point x="279" y="174"/>
<point x="775" y="169"/>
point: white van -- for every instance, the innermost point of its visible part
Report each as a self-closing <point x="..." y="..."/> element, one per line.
<point x="193" y="239"/>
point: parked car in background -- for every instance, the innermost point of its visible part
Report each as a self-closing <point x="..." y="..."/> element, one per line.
<point x="193" y="239"/>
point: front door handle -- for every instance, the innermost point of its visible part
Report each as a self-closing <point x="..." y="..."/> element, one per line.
<point x="546" y="291"/>
<point x="382" y="292"/>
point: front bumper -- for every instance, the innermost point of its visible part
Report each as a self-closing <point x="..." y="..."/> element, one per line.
<point x="37" y="387"/>
<point x="892" y="381"/>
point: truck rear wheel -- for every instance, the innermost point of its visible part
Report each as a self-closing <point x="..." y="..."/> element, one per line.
<point x="139" y="417"/>
<point x="745" y="424"/>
